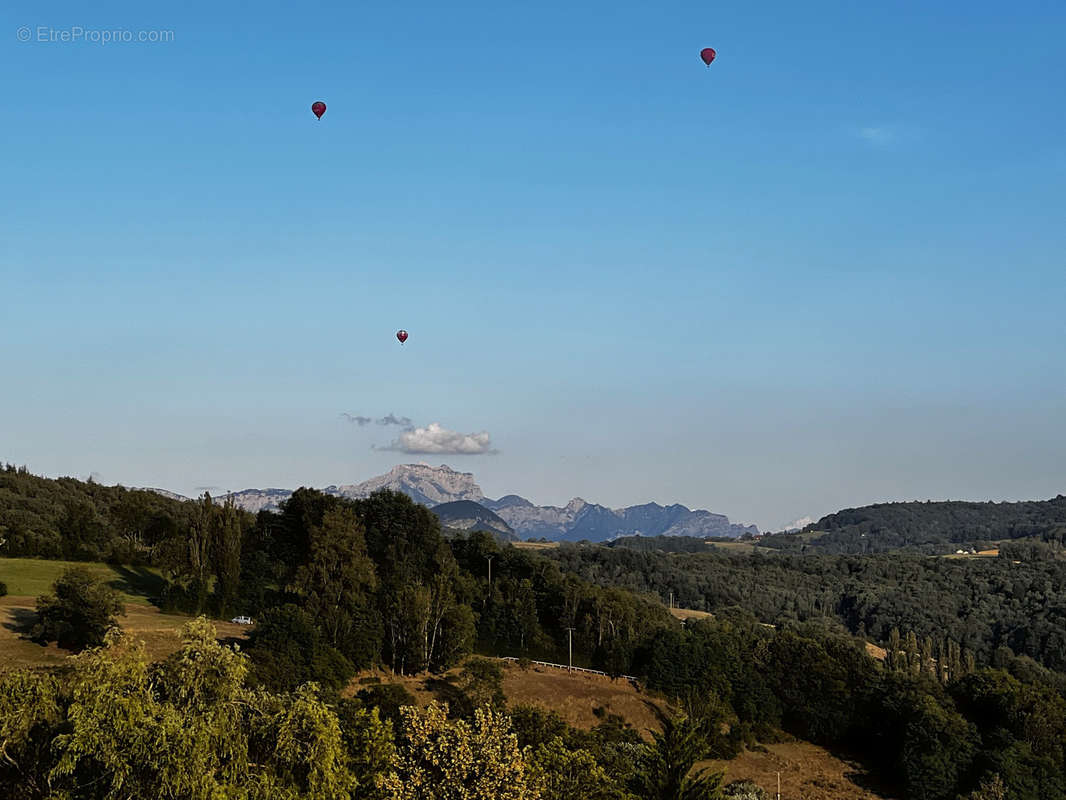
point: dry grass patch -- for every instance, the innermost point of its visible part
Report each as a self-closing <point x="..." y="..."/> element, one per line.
<point x="573" y="696"/>
<point x="690" y="613"/>
<point x="807" y="771"/>
<point x="157" y="630"/>
<point x="876" y="652"/>
<point x="734" y="547"/>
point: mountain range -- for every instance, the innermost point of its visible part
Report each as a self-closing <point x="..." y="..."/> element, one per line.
<point x="577" y="520"/>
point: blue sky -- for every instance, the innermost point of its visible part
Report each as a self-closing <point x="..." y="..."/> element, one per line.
<point x="826" y="271"/>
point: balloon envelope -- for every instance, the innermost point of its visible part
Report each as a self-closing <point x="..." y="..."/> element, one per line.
<point x="318" y="109"/>
<point x="402" y="336"/>
<point x="707" y="54"/>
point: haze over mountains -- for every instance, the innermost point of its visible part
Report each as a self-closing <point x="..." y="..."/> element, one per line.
<point x="578" y="519"/>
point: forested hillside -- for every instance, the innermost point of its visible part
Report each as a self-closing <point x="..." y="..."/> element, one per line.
<point x="82" y="520"/>
<point x="336" y="585"/>
<point x="927" y="527"/>
<point x="981" y="603"/>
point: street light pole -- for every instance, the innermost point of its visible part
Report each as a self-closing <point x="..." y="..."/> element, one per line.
<point x="490" y="569"/>
<point x="570" y="665"/>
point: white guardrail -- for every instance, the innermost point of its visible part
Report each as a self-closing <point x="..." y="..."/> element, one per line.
<point x="568" y="669"/>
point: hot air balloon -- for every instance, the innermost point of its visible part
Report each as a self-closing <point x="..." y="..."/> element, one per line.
<point x="707" y="54"/>
<point x="318" y="108"/>
<point x="402" y="336"/>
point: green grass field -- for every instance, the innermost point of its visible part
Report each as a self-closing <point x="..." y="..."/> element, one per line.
<point x="30" y="577"/>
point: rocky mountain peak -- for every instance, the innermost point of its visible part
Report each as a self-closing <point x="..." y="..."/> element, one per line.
<point x="579" y="519"/>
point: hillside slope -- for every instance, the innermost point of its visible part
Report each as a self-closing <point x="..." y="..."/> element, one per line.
<point x="83" y="520"/>
<point x="927" y="526"/>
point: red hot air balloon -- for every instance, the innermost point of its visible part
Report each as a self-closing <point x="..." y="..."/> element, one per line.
<point x="318" y="108"/>
<point x="402" y="336"/>
<point x="707" y="54"/>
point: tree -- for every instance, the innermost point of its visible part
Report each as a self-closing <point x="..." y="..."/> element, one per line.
<point x="990" y="789"/>
<point x="564" y="773"/>
<point x="198" y="549"/>
<point x="368" y="740"/>
<point x="335" y="584"/>
<point x="664" y="772"/>
<point x="288" y="649"/>
<point x="30" y="708"/>
<point x="481" y="685"/>
<point x="442" y="759"/>
<point x="114" y="725"/>
<point x="893" y="655"/>
<point x="79" y="611"/>
<point x="937" y="748"/>
<point x="227" y="535"/>
<point x="913" y="654"/>
<point x="523" y="612"/>
<point x="387" y="698"/>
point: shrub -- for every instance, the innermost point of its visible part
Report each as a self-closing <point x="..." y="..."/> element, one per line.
<point x="388" y="698"/>
<point x="745" y="790"/>
<point x="78" y="613"/>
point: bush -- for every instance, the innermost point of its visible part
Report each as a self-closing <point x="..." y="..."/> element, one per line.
<point x="535" y="726"/>
<point x="287" y="650"/>
<point x="80" y="611"/>
<point x="3" y="589"/>
<point x="480" y="684"/>
<point x="745" y="790"/>
<point x="387" y="698"/>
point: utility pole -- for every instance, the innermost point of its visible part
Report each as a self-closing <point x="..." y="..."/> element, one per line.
<point x="570" y="665"/>
<point x="671" y="600"/>
<point x="490" y="570"/>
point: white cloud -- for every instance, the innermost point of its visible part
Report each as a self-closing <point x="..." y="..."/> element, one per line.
<point x="390" y="419"/>
<point x="438" y="440"/>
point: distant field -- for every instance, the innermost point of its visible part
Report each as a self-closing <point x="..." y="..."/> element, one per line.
<point x="690" y="613"/>
<point x="738" y="547"/>
<point x="535" y="545"/>
<point x="157" y="630"/>
<point x="994" y="553"/>
<point x="33" y="577"/>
